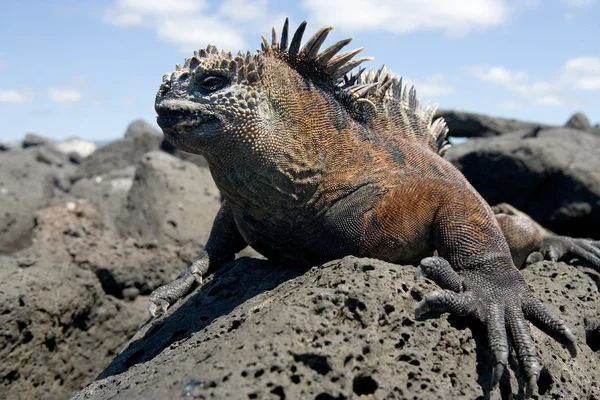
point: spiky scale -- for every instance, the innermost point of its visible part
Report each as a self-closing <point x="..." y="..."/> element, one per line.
<point x="265" y="43"/>
<point x="297" y="39"/>
<point x="363" y="90"/>
<point x="274" y="43"/>
<point x="340" y="59"/>
<point x="284" y="36"/>
<point x="326" y="55"/>
<point x="312" y="46"/>
<point x="350" y="65"/>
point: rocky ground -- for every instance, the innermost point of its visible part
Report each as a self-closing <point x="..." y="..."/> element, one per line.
<point x="86" y="234"/>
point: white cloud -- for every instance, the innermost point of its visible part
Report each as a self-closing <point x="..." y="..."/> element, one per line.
<point x="512" y="80"/>
<point x="431" y="86"/>
<point x="64" y="95"/>
<point x="189" y="24"/>
<point x="499" y="75"/>
<point x="195" y="32"/>
<point x="584" y="64"/>
<point x="582" y="73"/>
<point x="401" y="16"/>
<point x="549" y="101"/>
<point x="243" y="10"/>
<point x="14" y="96"/>
<point x="510" y="105"/>
<point x="133" y="12"/>
<point x="588" y="83"/>
<point x="578" y="3"/>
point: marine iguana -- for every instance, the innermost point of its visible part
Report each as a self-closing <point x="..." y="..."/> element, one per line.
<point x="316" y="162"/>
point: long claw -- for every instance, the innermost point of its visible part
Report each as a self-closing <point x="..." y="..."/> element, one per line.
<point x="539" y="315"/>
<point x="497" y="339"/>
<point x="521" y="338"/>
<point x="553" y="253"/>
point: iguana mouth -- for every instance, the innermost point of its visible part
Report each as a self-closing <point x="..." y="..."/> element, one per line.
<point x="169" y="117"/>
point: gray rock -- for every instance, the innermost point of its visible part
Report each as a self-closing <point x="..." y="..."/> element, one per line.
<point x="140" y="127"/>
<point x="81" y="147"/>
<point x="343" y="330"/>
<point x="108" y="192"/>
<point x="31" y="140"/>
<point x="28" y="182"/>
<point x="58" y="326"/>
<point x="6" y="146"/>
<point x="119" y="154"/>
<point x="75" y="233"/>
<point x="464" y="124"/>
<point x="75" y="157"/>
<point x="71" y="300"/>
<point x="578" y="121"/>
<point x="171" y="200"/>
<point x="551" y="174"/>
<point x="58" y="329"/>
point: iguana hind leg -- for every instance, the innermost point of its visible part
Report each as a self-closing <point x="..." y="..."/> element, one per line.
<point x="524" y="235"/>
<point x="479" y="278"/>
<point x="224" y="241"/>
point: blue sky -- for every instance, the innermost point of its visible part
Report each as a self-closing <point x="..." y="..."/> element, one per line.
<point x="88" y="68"/>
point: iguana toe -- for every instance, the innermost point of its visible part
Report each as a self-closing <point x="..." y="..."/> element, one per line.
<point x="447" y="301"/>
<point x="165" y="296"/>
<point x="439" y="270"/>
<point x="539" y="315"/>
<point x="518" y="330"/>
<point x="556" y="247"/>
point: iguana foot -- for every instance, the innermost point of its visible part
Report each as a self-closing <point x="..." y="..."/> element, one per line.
<point x="500" y="299"/>
<point x="165" y="296"/>
<point x="556" y="247"/>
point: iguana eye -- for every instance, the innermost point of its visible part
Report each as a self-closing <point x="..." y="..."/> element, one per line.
<point x="212" y="83"/>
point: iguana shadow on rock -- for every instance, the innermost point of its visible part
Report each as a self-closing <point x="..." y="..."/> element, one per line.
<point x="229" y="287"/>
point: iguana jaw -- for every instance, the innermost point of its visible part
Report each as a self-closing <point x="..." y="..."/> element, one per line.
<point x="176" y="115"/>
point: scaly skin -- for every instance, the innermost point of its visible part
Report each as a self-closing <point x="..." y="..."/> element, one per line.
<point x="315" y="165"/>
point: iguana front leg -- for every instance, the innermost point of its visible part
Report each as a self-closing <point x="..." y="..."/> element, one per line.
<point x="524" y="235"/>
<point x="223" y="242"/>
<point x="480" y="279"/>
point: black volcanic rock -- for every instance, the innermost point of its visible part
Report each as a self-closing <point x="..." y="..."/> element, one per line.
<point x="339" y="331"/>
<point x="171" y="200"/>
<point x="551" y="174"/>
<point x="578" y="121"/>
<point x="30" y="179"/>
<point x="465" y="124"/>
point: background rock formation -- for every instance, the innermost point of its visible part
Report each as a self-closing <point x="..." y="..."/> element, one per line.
<point x="85" y="237"/>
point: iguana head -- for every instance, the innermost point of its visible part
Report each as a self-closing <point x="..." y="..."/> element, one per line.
<point x="216" y="99"/>
<point x="216" y="102"/>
